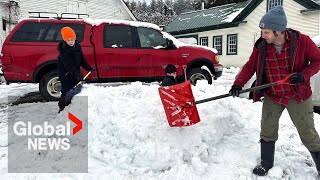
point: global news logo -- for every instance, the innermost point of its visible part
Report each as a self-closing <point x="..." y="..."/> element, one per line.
<point x="46" y="136"/>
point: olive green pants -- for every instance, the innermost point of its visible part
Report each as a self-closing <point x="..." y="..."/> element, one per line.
<point x="301" y="116"/>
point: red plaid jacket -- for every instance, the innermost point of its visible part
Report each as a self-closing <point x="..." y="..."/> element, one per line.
<point x="305" y="58"/>
<point x="276" y="68"/>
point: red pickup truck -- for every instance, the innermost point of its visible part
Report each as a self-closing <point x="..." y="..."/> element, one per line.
<point x="118" y="50"/>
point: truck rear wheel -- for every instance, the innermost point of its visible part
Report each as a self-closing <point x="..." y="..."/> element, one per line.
<point x="199" y="74"/>
<point x="50" y="86"/>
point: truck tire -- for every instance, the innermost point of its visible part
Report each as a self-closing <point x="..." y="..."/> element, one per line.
<point x="50" y="86"/>
<point x="199" y="74"/>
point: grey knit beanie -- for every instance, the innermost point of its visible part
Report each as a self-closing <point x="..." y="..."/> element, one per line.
<point x="275" y="19"/>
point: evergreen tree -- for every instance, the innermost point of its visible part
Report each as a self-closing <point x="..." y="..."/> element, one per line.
<point x="127" y="3"/>
<point x="153" y="5"/>
<point x="159" y="6"/>
<point x="133" y="5"/>
<point x="144" y="5"/>
<point x="139" y="6"/>
<point x="179" y="6"/>
<point x="213" y="3"/>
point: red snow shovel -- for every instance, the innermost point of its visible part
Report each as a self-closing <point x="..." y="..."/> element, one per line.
<point x="180" y="106"/>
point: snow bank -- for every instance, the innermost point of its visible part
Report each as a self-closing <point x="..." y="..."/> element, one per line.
<point x="129" y="137"/>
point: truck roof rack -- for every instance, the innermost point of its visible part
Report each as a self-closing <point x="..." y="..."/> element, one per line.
<point x="36" y="14"/>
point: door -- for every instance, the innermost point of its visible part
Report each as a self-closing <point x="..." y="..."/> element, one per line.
<point x="118" y="57"/>
<point x="153" y="54"/>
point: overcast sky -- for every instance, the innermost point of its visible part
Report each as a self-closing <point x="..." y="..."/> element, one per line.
<point x="147" y="1"/>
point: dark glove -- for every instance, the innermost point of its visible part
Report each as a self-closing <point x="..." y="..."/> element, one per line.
<point x="79" y="77"/>
<point x="92" y="70"/>
<point x="297" y="78"/>
<point x="235" y="90"/>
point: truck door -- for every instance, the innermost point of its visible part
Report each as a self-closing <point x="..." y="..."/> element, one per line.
<point x="153" y="56"/>
<point x="117" y="57"/>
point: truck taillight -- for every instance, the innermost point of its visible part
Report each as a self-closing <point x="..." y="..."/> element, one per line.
<point x="6" y="59"/>
<point x="217" y="59"/>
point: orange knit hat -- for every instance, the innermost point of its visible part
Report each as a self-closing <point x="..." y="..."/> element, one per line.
<point x="67" y="32"/>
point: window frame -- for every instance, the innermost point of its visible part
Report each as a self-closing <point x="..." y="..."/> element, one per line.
<point x="221" y="43"/>
<point x="200" y="41"/>
<point x="4" y="24"/>
<point x="42" y="33"/>
<point x="273" y="2"/>
<point x="138" y="37"/>
<point x="104" y="45"/>
<point x="228" y="44"/>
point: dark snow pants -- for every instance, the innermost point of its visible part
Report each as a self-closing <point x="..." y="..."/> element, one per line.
<point x="301" y="116"/>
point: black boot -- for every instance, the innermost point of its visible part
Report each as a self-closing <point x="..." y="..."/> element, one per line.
<point x="316" y="159"/>
<point x="267" y="158"/>
<point x="61" y="103"/>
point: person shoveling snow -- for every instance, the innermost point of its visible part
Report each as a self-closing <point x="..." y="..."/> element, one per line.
<point x="279" y="52"/>
<point x="69" y="61"/>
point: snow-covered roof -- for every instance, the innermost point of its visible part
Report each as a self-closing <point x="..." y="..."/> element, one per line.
<point x="316" y="1"/>
<point x="219" y="17"/>
<point x="215" y="16"/>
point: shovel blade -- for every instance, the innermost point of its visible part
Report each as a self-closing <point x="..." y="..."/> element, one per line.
<point x="74" y="91"/>
<point x="178" y="103"/>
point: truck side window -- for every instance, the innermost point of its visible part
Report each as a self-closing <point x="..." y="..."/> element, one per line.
<point x="117" y="36"/>
<point x="30" y="32"/>
<point x="150" y="38"/>
<point x="45" y="32"/>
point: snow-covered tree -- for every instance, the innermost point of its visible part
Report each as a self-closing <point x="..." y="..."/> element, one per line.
<point x="161" y="12"/>
<point x="144" y="5"/>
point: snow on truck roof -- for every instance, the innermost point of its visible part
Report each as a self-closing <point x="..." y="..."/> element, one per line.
<point x="97" y="22"/>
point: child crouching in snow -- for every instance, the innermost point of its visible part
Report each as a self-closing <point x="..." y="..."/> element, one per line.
<point x="171" y="74"/>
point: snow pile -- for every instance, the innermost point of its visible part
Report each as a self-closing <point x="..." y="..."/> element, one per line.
<point x="135" y="134"/>
<point x="129" y="137"/>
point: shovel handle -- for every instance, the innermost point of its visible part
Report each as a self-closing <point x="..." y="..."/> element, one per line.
<point x="86" y="75"/>
<point x="282" y="81"/>
<point x="84" y="78"/>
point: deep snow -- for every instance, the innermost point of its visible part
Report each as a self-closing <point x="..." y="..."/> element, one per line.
<point x="129" y="137"/>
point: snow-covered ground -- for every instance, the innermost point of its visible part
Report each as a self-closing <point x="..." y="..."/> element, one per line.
<point x="129" y="137"/>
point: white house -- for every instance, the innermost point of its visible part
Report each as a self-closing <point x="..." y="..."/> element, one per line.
<point x="233" y="28"/>
<point x="12" y="11"/>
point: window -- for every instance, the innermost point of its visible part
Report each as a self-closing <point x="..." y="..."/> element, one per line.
<point x="232" y="44"/>
<point x="117" y="36"/>
<point x="217" y="44"/>
<point x="45" y="32"/>
<point x="204" y="41"/>
<point x="76" y="7"/>
<point x="150" y="38"/>
<point x="4" y="25"/>
<point x="274" y="3"/>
